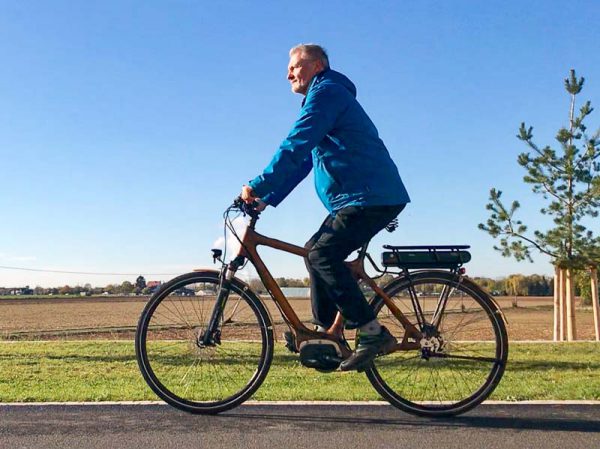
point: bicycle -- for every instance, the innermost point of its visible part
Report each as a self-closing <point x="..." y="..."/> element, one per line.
<point x="209" y="352"/>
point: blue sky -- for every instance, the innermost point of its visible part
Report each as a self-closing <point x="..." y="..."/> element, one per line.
<point x="126" y="128"/>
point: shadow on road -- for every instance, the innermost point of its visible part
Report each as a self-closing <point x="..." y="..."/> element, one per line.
<point x="534" y="422"/>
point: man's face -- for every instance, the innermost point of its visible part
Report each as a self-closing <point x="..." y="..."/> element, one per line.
<point x="301" y="72"/>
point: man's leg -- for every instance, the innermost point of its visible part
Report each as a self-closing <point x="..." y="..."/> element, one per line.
<point x="323" y="306"/>
<point x="349" y="230"/>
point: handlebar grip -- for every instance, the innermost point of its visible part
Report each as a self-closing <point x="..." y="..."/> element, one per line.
<point x="247" y="208"/>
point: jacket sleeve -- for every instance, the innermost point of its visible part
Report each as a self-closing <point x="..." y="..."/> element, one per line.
<point x="274" y="198"/>
<point x="293" y="161"/>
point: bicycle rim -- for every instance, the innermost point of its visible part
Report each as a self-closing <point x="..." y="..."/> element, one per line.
<point x="463" y="364"/>
<point x="189" y="375"/>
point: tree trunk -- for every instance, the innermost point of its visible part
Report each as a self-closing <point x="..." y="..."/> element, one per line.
<point x="563" y="305"/>
<point x="557" y="303"/>
<point x="570" y="290"/>
<point x="595" y="305"/>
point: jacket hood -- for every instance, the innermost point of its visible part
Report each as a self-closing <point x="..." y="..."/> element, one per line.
<point x="331" y="76"/>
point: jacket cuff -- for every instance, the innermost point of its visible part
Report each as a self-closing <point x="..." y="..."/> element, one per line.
<point x="257" y="187"/>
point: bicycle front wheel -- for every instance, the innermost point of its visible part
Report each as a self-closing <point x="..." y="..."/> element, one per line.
<point x="458" y="363"/>
<point x="191" y="375"/>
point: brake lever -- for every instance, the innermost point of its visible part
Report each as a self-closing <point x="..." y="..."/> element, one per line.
<point x="246" y="208"/>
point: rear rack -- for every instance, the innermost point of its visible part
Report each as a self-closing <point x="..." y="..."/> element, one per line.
<point x="414" y="257"/>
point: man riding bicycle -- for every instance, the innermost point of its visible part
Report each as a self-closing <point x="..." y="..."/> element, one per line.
<point x="355" y="179"/>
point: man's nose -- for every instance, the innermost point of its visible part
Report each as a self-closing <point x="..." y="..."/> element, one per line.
<point x="290" y="75"/>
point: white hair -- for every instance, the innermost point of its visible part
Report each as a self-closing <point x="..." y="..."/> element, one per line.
<point x="313" y="52"/>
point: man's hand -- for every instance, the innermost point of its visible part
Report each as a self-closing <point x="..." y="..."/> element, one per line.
<point x="247" y="194"/>
<point x="248" y="197"/>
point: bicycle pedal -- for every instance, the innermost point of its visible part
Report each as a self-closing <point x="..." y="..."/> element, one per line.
<point x="290" y="342"/>
<point x="320" y="356"/>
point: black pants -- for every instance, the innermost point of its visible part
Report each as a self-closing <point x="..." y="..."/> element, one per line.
<point x="332" y="286"/>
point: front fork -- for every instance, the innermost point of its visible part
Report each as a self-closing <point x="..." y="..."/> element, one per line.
<point x="212" y="334"/>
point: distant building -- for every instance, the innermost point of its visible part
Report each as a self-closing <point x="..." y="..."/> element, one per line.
<point x="16" y="291"/>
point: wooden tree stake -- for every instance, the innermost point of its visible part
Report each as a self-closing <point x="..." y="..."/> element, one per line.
<point x="595" y="305"/>
<point x="556" y="332"/>
<point x="570" y="291"/>
<point x="563" y="305"/>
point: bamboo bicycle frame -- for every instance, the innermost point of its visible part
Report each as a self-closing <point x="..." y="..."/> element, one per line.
<point x="252" y="239"/>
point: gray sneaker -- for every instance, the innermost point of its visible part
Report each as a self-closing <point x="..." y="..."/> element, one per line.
<point x="366" y="350"/>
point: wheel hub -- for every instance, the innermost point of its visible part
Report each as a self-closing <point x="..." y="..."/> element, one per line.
<point x="212" y="340"/>
<point x="432" y="343"/>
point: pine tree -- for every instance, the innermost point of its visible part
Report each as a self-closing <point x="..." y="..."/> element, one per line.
<point x="568" y="179"/>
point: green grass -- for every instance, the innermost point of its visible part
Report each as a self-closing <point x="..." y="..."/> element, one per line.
<point x="107" y="371"/>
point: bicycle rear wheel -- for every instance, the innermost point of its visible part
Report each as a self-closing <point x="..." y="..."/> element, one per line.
<point x="458" y="365"/>
<point x="188" y="374"/>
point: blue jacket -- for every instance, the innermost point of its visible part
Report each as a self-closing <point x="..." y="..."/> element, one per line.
<point x="336" y="137"/>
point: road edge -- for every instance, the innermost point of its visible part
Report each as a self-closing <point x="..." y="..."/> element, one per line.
<point x="300" y="403"/>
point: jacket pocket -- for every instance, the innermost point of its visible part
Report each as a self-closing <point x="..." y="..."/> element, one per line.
<point x="329" y="172"/>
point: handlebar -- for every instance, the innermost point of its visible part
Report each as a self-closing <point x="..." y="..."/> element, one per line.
<point x="246" y="208"/>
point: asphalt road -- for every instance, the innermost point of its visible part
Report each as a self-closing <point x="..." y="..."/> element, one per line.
<point x="297" y="426"/>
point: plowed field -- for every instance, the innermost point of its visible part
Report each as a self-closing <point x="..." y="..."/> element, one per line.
<point x="109" y="318"/>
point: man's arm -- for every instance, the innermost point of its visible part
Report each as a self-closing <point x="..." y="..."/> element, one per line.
<point x="293" y="161"/>
<point x="274" y="198"/>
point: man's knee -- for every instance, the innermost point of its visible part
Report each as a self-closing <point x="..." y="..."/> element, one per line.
<point x="319" y="258"/>
<point x="308" y="245"/>
<point x="312" y="257"/>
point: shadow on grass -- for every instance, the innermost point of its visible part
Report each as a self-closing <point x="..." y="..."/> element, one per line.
<point x="518" y="365"/>
<point x="512" y="365"/>
<point x="288" y="361"/>
<point x="69" y="358"/>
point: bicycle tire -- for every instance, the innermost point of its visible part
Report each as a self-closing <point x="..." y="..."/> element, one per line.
<point x="472" y="358"/>
<point x="193" y="377"/>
